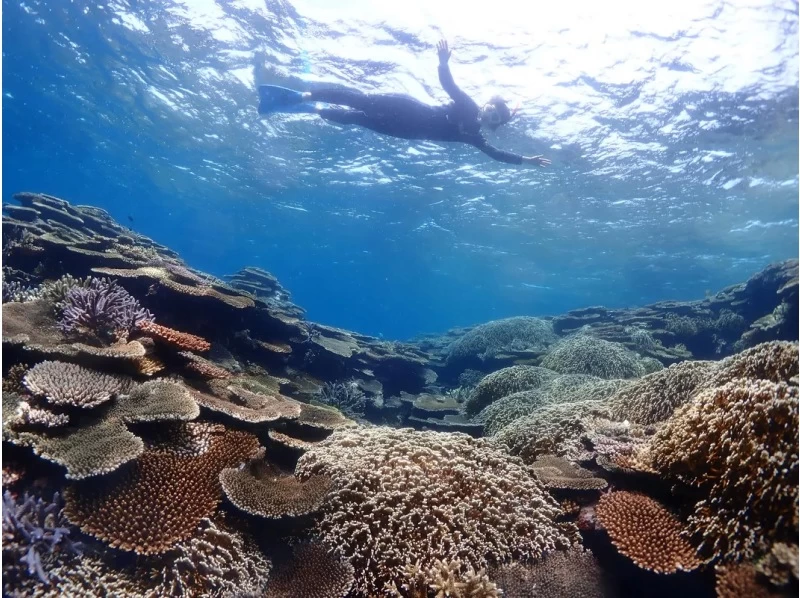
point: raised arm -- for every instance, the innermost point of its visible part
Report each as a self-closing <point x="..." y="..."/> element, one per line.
<point x="446" y="78"/>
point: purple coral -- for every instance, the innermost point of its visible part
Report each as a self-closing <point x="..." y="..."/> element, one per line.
<point x="102" y="307"/>
<point x="32" y="529"/>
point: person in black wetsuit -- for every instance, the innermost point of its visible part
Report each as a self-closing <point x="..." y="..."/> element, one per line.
<point x="403" y="116"/>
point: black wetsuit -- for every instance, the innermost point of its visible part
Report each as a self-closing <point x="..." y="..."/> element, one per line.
<point x="403" y="116"/>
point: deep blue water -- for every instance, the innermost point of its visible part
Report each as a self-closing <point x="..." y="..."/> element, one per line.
<point x="673" y="133"/>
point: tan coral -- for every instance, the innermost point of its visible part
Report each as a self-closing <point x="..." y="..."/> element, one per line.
<point x="655" y="397"/>
<point x="160" y="498"/>
<point x="244" y="405"/>
<point x="559" y="474"/>
<point x="645" y="532"/>
<point x="260" y="489"/>
<point x="401" y="496"/>
<point x="314" y="572"/>
<point x="69" y="384"/>
<point x="738" y="445"/>
<point x="175" y="338"/>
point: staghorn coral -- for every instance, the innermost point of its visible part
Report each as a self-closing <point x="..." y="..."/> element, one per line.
<point x="403" y="497"/>
<point x="505" y="382"/>
<point x="102" y="307"/>
<point x="260" y="489"/>
<point x="654" y="397"/>
<point x="645" y="532"/>
<point x="488" y="340"/>
<point x="87" y="577"/>
<point x="584" y="354"/>
<point x="314" y="572"/>
<point x="564" y="574"/>
<point x="101" y="445"/>
<point x="559" y="474"/>
<point x="159" y="499"/>
<point x="174" y="338"/>
<point x="738" y="445"/>
<point x="69" y="384"/>
<point x="36" y="537"/>
<point x="213" y="562"/>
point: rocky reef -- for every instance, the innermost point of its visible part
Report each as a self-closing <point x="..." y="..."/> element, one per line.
<point x="169" y="433"/>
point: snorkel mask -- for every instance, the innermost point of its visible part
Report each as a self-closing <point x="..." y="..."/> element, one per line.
<point x="491" y="114"/>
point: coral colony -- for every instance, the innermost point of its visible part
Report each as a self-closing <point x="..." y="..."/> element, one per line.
<point x="232" y="448"/>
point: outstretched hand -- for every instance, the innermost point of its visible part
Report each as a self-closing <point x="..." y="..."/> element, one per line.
<point x="538" y="160"/>
<point x="443" y="51"/>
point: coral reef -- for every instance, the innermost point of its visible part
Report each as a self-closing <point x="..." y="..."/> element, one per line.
<point x="488" y="340"/>
<point x="347" y="397"/>
<point x="559" y="474"/>
<point x="36" y="537"/>
<point x="645" y="532"/>
<point x="68" y="384"/>
<point x="571" y="573"/>
<point x="213" y="562"/>
<point x="402" y="497"/>
<point x="159" y="499"/>
<point x="504" y="382"/>
<point x="584" y="354"/>
<point x="102" y="307"/>
<point x="260" y="489"/>
<point x="314" y="572"/>
<point x="738" y="444"/>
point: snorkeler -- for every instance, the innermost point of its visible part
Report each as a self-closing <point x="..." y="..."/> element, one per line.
<point x="402" y="116"/>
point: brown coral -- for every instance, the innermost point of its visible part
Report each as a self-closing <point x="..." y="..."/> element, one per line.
<point x="645" y="532"/>
<point x="558" y="473"/>
<point x="160" y="498"/>
<point x="261" y="489"/>
<point x="203" y="367"/>
<point x="174" y="338"/>
<point x="314" y="572"/>
<point x="402" y="497"/>
<point x="562" y="574"/>
<point x="740" y="580"/>
<point x="68" y="384"/>
<point x="738" y="444"/>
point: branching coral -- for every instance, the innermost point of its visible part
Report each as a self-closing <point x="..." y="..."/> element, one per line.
<point x="35" y="537"/>
<point x="504" y="382"/>
<point x="314" y="572"/>
<point x="738" y="444"/>
<point x="402" y="497"/>
<point x="102" y="307"/>
<point x="345" y="396"/>
<point x="584" y="354"/>
<point x="487" y="340"/>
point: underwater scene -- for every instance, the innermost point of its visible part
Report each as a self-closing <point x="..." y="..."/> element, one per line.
<point x="423" y="300"/>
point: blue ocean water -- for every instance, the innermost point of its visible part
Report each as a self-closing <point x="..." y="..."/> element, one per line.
<point x="672" y="130"/>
